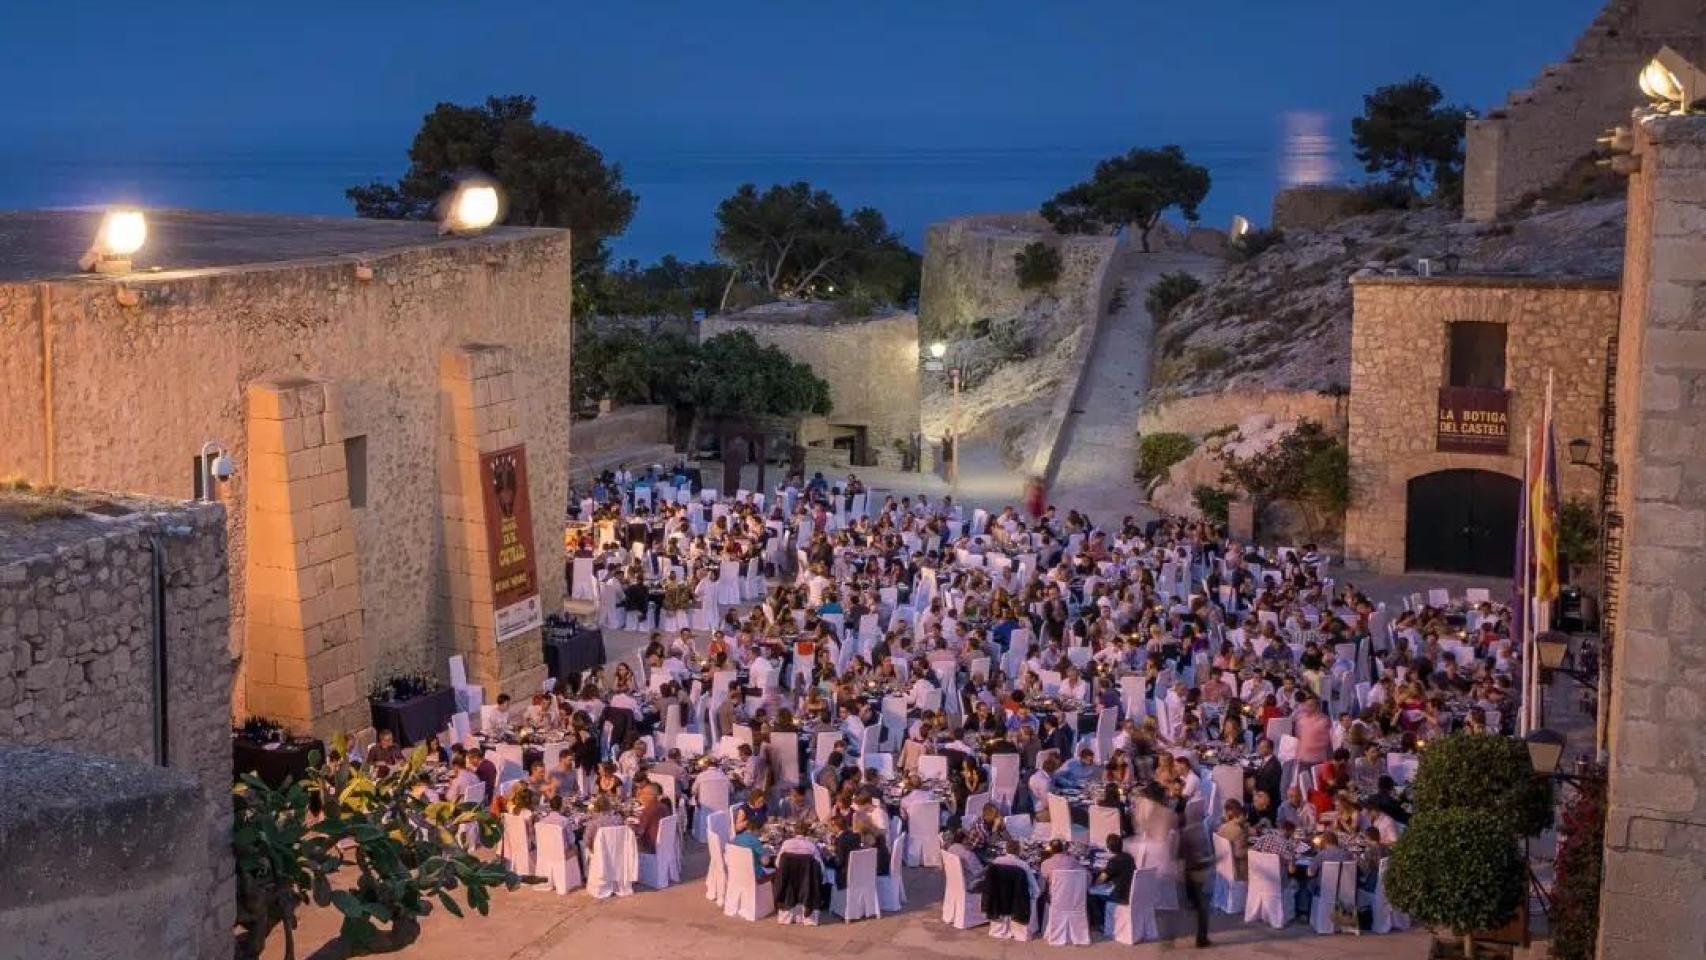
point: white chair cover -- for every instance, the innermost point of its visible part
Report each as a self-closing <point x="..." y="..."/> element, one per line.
<point x="1265" y="898"/>
<point x="960" y="909"/>
<point x="614" y="864"/>
<point x="891" y="890"/>
<point x="1068" y="911"/>
<point x="1133" y="922"/>
<point x="1338" y="889"/>
<point x="924" y="826"/>
<point x="859" y="899"/>
<point x="1385" y="918"/>
<point x="555" y="859"/>
<point x="516" y="846"/>
<point x="716" y="875"/>
<point x="933" y="767"/>
<point x="1162" y="857"/>
<point x="743" y="895"/>
<point x="1229" y="892"/>
<point x="1103" y="821"/>
<point x="659" y="870"/>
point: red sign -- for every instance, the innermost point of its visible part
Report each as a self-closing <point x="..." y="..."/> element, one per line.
<point x="1473" y="420"/>
<point x="509" y="541"/>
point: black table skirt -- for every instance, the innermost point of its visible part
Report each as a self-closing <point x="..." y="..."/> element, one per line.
<point x="288" y="762"/>
<point x="575" y="653"/>
<point x="412" y="721"/>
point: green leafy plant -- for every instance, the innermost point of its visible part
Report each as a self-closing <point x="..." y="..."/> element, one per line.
<point x="1156" y="452"/>
<point x="1214" y="503"/>
<point x="737" y="374"/>
<point x="401" y="848"/>
<point x="1458" y="870"/>
<point x="794" y="240"/>
<point x="1037" y="266"/>
<point x="1489" y="775"/>
<point x="1308" y="467"/>
<point x="1135" y="188"/>
<point x="1408" y="134"/>
<point x="1167" y="292"/>
<point x="1578" y="532"/>
<point x="1579" y="868"/>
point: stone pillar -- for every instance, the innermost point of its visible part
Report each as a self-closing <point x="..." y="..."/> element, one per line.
<point x="303" y="661"/>
<point x="1653" y="902"/>
<point x="478" y="409"/>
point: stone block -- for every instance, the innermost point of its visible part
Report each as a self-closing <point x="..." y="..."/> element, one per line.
<point x="340" y="693"/>
<point x="270" y="402"/>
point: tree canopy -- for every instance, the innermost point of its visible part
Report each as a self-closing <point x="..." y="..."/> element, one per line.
<point x="1308" y="467"/>
<point x="795" y="241"/>
<point x="1406" y="133"/>
<point x="668" y="289"/>
<point x="628" y="366"/>
<point x="551" y="177"/>
<point x="736" y="374"/>
<point x="1136" y="187"/>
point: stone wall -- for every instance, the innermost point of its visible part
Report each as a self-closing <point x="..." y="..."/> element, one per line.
<point x="77" y="607"/>
<point x="102" y="394"/>
<point x="1399" y="346"/>
<point x="1210" y="412"/>
<point x="103" y="860"/>
<point x="1527" y="143"/>
<point x="623" y="427"/>
<point x="871" y="365"/>
<point x="1313" y="206"/>
<point x="1653" y="901"/>
<point x="969" y="275"/>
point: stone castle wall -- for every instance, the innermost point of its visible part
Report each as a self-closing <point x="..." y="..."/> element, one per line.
<point x="1210" y="412"/>
<point x="1528" y="142"/>
<point x="106" y="395"/>
<point x="622" y="428"/>
<point x="1313" y="206"/>
<point x="1653" y="900"/>
<point x="76" y="658"/>
<point x="969" y="274"/>
<point x="1399" y="347"/>
<point x="871" y="366"/>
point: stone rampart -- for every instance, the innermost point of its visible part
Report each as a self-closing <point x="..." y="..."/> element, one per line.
<point x="1210" y="412"/>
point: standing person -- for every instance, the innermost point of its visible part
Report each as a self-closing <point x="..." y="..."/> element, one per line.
<point x="1197" y="852"/>
<point x="1035" y="498"/>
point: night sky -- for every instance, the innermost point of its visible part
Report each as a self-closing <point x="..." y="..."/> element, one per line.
<point x="100" y="83"/>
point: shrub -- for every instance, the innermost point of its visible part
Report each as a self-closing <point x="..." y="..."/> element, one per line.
<point x="1384" y="195"/>
<point x="1214" y="503"/>
<point x="1158" y="451"/>
<point x="1457" y="869"/>
<point x="1037" y="266"/>
<point x="1488" y="775"/>
<point x="1580" y="863"/>
<point x="1308" y="467"/>
<point x="1251" y="245"/>
<point x="1168" y="291"/>
<point x="1578" y="532"/>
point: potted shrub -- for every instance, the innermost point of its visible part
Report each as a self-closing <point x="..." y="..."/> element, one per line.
<point x="413" y="706"/>
<point x="266" y="748"/>
<point x="1490" y="775"/>
<point x="1457" y="870"/>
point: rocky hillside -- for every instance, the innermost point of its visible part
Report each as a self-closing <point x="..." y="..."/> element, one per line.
<point x="1282" y="320"/>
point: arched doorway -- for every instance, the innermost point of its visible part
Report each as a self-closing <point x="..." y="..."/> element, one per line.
<point x="1462" y="521"/>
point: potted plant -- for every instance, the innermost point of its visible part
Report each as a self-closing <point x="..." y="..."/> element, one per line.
<point x="265" y="747"/>
<point x="413" y="706"/>
<point x="1490" y="775"/>
<point x="1457" y="870"/>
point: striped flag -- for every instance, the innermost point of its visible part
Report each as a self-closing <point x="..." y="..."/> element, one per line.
<point x="1543" y="507"/>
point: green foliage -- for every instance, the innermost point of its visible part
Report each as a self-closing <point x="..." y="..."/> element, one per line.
<point x="1156" y="452"/>
<point x="1489" y="775"/>
<point x="402" y="849"/>
<point x="668" y="289"/>
<point x="1407" y="134"/>
<point x="551" y="177"/>
<point x="628" y="366"/>
<point x="735" y="374"/>
<point x="797" y="242"/>
<point x="1167" y="292"/>
<point x="1135" y="188"/>
<point x="1308" y="467"/>
<point x="1214" y="503"/>
<point x="1456" y="869"/>
<point x="1037" y="266"/>
<point x="1254" y="243"/>
<point x="1578" y="532"/>
<point x="1580" y="865"/>
<point x="1212" y="358"/>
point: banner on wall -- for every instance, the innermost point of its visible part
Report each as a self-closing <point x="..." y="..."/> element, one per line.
<point x="1472" y="420"/>
<point x="509" y="541"/>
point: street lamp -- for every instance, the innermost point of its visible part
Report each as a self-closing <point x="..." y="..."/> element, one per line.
<point x="1579" y="448"/>
<point x="1545" y="750"/>
<point x="471" y="208"/>
<point x="936" y="364"/>
<point x="121" y="234"/>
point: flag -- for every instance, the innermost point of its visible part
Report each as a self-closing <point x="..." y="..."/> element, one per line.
<point x="1543" y="507"/>
<point x="1519" y="578"/>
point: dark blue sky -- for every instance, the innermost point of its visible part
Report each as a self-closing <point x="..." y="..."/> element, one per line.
<point x="97" y="80"/>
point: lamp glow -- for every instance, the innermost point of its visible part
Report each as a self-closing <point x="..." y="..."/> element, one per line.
<point x="1240" y="227"/>
<point x="1659" y="83"/>
<point x="938" y="350"/>
<point x="1670" y="81"/>
<point x="471" y="209"/>
<point x="121" y="234"/>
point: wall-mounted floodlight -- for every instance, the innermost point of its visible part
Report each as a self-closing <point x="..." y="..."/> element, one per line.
<point x="1672" y="82"/>
<point x="1240" y="227"/>
<point x="121" y="234"/>
<point x="471" y="208"/>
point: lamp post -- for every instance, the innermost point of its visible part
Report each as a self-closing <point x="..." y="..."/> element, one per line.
<point x="936" y="364"/>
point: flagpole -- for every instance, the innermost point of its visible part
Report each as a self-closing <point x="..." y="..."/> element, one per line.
<point x="1525" y="715"/>
<point x="1548" y="492"/>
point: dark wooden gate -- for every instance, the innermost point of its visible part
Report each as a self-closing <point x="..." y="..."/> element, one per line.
<point x="1462" y="521"/>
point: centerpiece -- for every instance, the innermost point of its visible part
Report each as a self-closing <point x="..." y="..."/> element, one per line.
<point x="266" y="747"/>
<point x="413" y="706"/>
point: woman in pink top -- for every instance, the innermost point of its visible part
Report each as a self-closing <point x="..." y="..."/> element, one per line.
<point x="1313" y="732"/>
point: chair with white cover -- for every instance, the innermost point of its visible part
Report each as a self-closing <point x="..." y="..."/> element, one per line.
<point x="585" y="586"/>
<point x="859" y="899"/>
<point x="1104" y="821"/>
<point x="1228" y="892"/>
<point x="743" y="895"/>
<point x="960" y="909"/>
<point x="516" y="845"/>
<point x="1385" y="919"/>
<point x="1278" y="727"/>
<point x="1338" y="889"/>
<point x="1019" y="826"/>
<point x="468" y="835"/>
<point x="891" y="890"/>
<point x="660" y="869"/>
<point x="1068" y="909"/>
<point x="1004" y="779"/>
<point x="1107" y="724"/>
<point x="1133" y="922"/>
<point x="614" y="864"/>
<point x="924" y="826"/>
<point x="1162" y="857"/>
<point x="554" y="859"/>
<point x="1228" y="782"/>
<point x="717" y="874"/>
<point x="1007" y="928"/>
<point x="714" y="800"/>
<point x="729" y="583"/>
<point x="1265" y="897"/>
<point x="785" y="758"/>
<point x="1060" y="820"/>
<point x="933" y="767"/>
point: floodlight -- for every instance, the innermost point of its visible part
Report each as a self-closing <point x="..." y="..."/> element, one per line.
<point x="121" y="234"/>
<point x="474" y="206"/>
<point x="1669" y="80"/>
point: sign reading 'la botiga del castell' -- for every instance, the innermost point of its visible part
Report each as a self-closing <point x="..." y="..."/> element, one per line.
<point x="1472" y="420"/>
